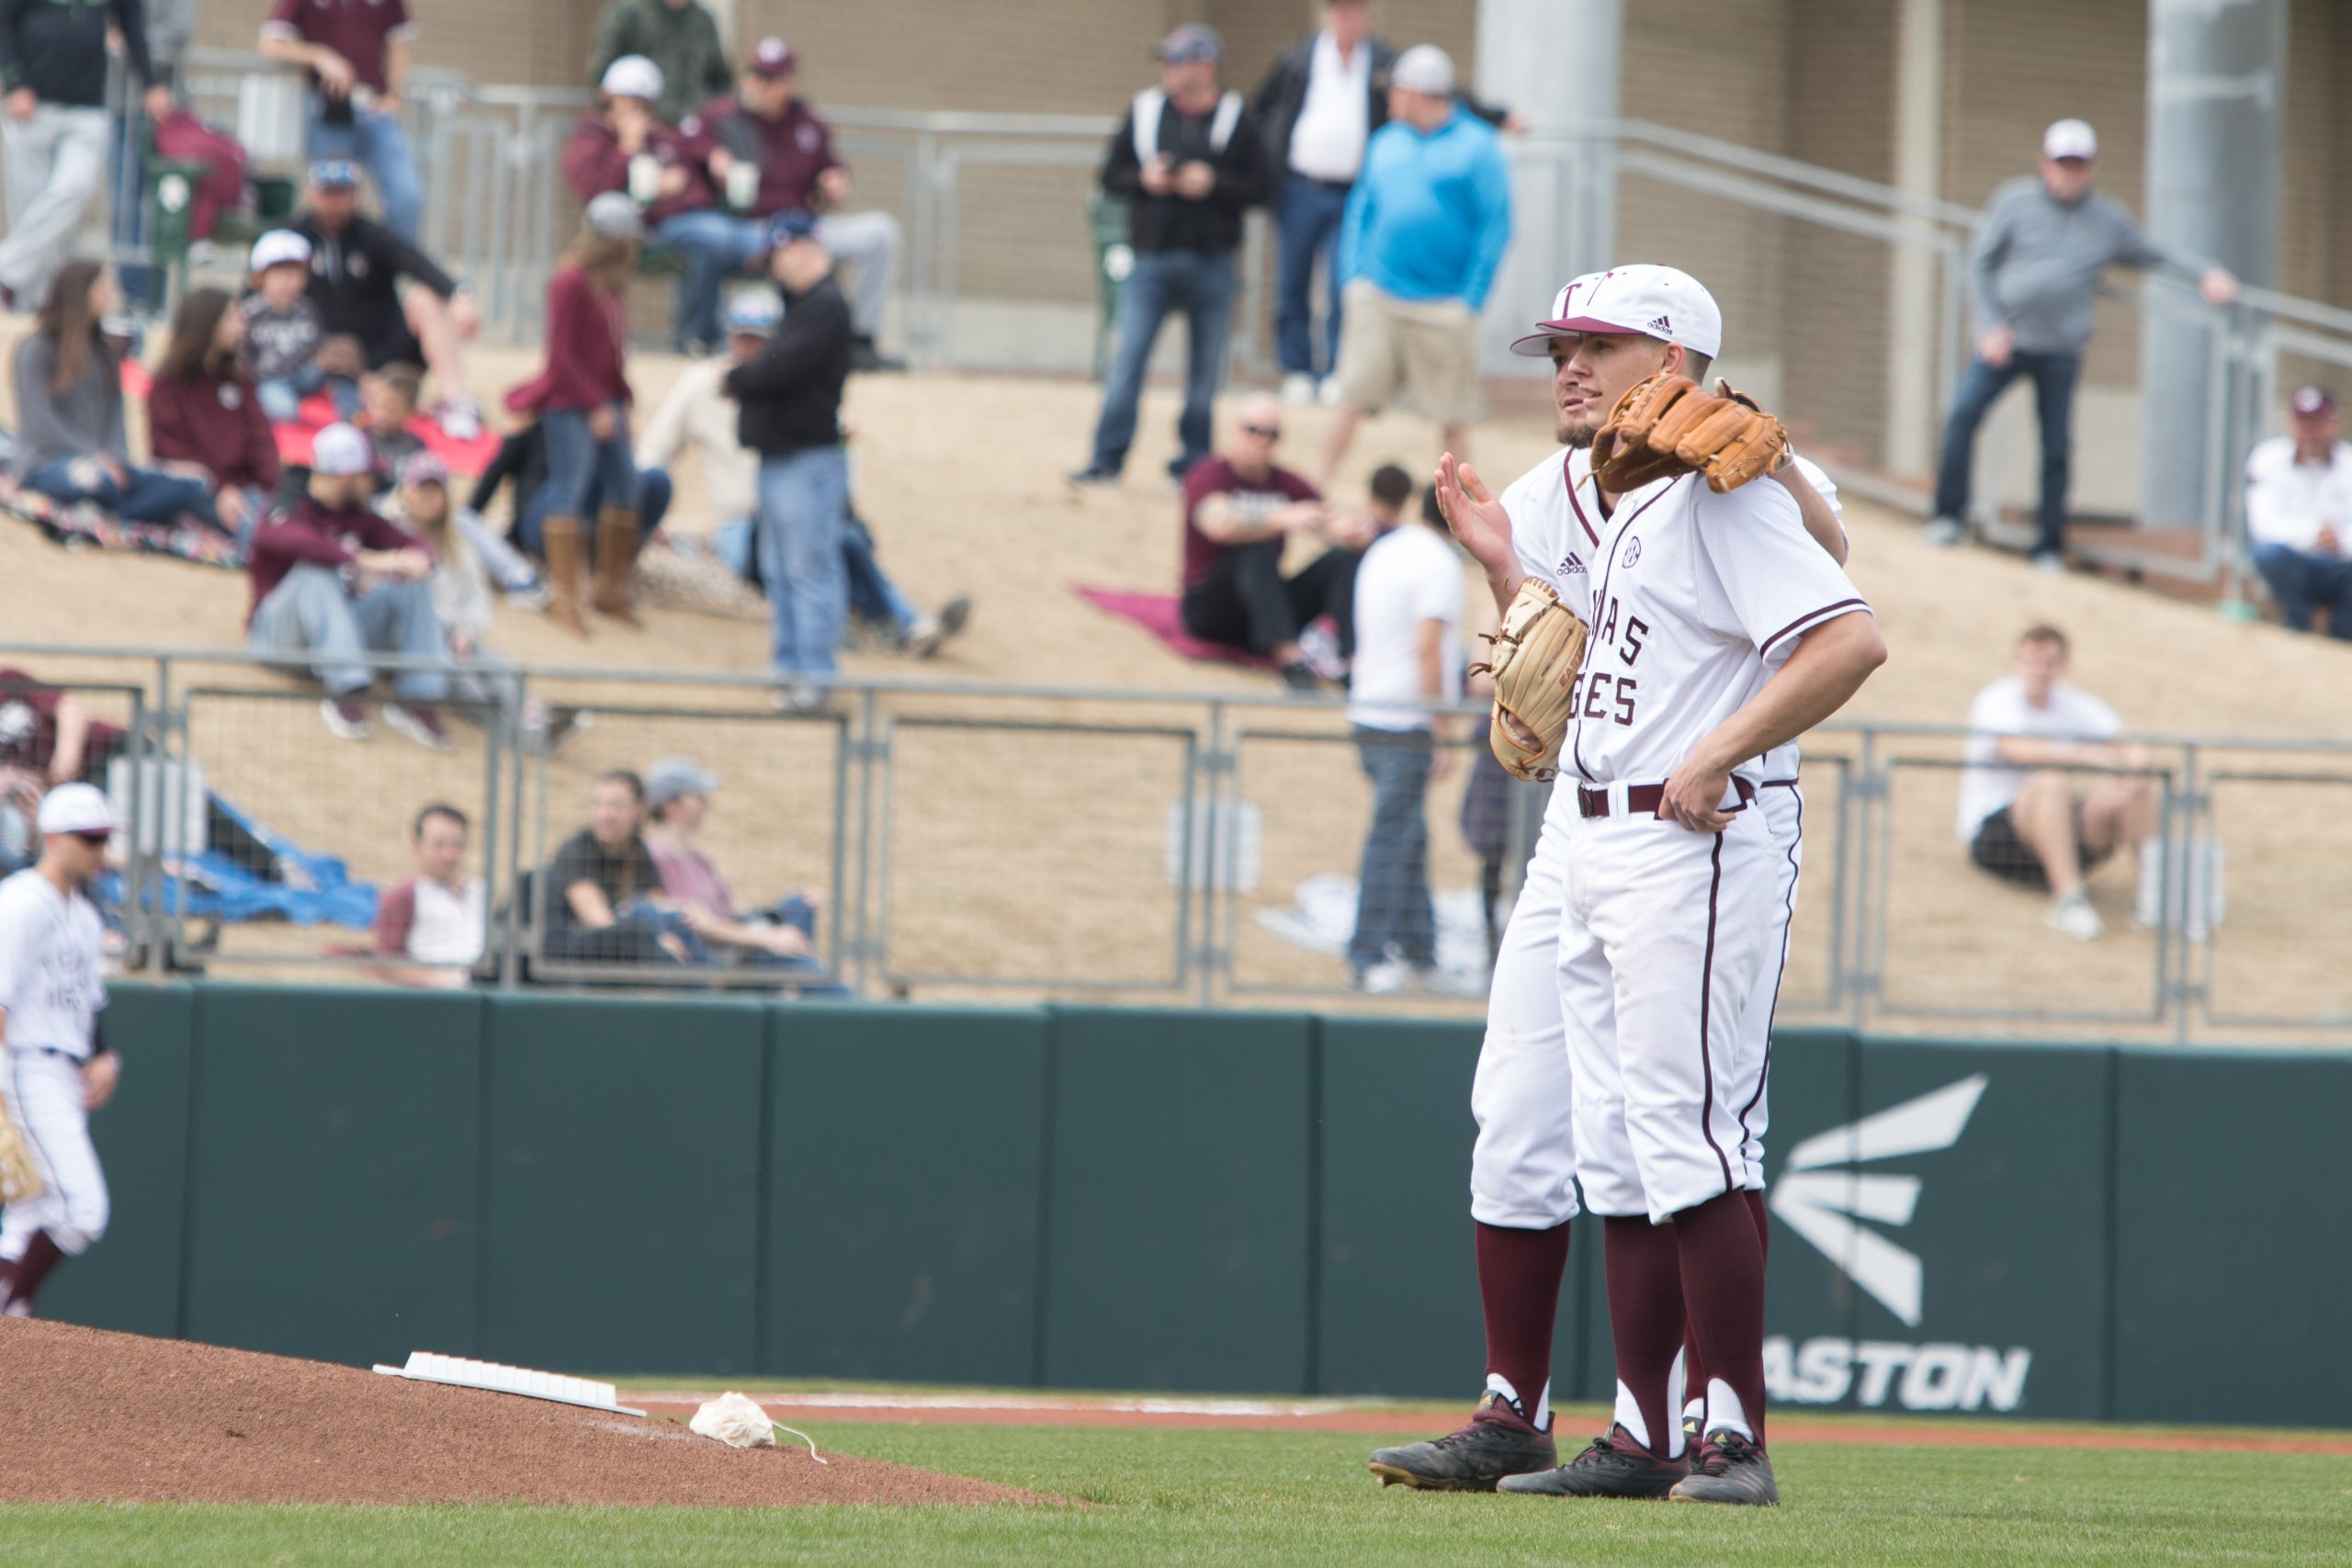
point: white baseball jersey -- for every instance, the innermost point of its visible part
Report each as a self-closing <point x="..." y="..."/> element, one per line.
<point x="51" y="948"/>
<point x="1698" y="599"/>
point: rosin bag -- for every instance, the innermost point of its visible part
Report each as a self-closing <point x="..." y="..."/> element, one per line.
<point x="736" y="1420"/>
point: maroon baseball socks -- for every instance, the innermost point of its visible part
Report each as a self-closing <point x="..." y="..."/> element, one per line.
<point x="21" y="1280"/>
<point x="1645" y="1322"/>
<point x="1518" y="1287"/>
<point x="1694" y="1407"/>
<point x="1722" y="1259"/>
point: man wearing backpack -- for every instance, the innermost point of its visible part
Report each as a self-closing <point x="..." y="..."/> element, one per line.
<point x="1189" y="159"/>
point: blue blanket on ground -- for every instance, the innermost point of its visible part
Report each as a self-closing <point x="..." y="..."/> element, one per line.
<point x="299" y="887"/>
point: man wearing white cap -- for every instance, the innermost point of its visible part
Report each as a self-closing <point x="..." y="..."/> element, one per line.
<point x="57" y="1067"/>
<point x="2043" y="245"/>
<point x="1654" y="915"/>
<point x="1426" y="227"/>
<point x="335" y="578"/>
<point x="2299" y="514"/>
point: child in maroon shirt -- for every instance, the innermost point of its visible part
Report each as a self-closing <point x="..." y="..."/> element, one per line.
<point x="582" y="400"/>
<point x="204" y="414"/>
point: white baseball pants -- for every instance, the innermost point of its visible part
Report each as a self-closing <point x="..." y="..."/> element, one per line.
<point x="45" y="1095"/>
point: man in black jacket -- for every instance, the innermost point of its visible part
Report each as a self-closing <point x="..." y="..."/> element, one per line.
<point x="1189" y="158"/>
<point x="53" y="65"/>
<point x="357" y="266"/>
<point x="1319" y="104"/>
<point x="791" y="398"/>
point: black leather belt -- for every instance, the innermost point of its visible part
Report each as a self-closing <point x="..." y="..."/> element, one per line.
<point x="1642" y="800"/>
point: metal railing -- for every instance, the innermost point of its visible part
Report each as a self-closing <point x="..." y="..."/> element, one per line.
<point x="1177" y="847"/>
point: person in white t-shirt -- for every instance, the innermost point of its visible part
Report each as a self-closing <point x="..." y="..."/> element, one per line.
<point x="438" y="917"/>
<point x="1407" y="670"/>
<point x="2033" y="810"/>
<point x="2299" y="514"/>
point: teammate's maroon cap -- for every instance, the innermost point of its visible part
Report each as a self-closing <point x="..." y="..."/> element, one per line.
<point x="774" y="57"/>
<point x="1662" y="303"/>
<point x="2312" y="403"/>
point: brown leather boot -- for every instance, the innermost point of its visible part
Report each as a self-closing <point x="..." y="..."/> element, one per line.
<point x="560" y="538"/>
<point x="617" y="537"/>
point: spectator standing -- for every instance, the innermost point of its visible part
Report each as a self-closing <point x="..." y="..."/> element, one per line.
<point x="581" y="399"/>
<point x="284" y="331"/>
<point x="678" y="36"/>
<point x="2299" y="514"/>
<point x="2044" y="241"/>
<point x="604" y="898"/>
<point x="790" y="394"/>
<point x="2034" y="811"/>
<point x="331" y="578"/>
<point x="621" y="146"/>
<point x="356" y="53"/>
<point x="1321" y="101"/>
<point x="1240" y="508"/>
<point x="1188" y="159"/>
<point x="54" y="127"/>
<point x="522" y="460"/>
<point x="1407" y="670"/>
<point x="782" y="937"/>
<point x="696" y="411"/>
<point x="1426" y="228"/>
<point x="772" y="155"/>
<point x="71" y="441"/>
<point x="435" y="922"/>
<point x="204" y="414"/>
<point x="356" y="269"/>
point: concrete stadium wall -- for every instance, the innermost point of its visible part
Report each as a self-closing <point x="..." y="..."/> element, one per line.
<point x="1101" y="1198"/>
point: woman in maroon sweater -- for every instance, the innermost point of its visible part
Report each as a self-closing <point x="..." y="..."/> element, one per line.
<point x="204" y="418"/>
<point x="582" y="402"/>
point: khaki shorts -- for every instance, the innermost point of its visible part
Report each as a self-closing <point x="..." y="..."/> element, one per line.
<point x="1428" y="350"/>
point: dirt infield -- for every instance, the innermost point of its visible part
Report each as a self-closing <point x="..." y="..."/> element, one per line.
<point x="91" y="1416"/>
<point x="1233" y="1415"/>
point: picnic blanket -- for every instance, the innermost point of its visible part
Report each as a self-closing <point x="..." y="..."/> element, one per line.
<point x="1157" y="613"/>
<point x="299" y="886"/>
<point x="83" y="525"/>
<point x="295" y="439"/>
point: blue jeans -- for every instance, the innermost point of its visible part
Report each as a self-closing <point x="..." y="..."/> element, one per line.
<point x="654" y="490"/>
<point x="716" y="246"/>
<point x="634" y="937"/>
<point x="150" y="496"/>
<point x="2303" y="581"/>
<point x="1306" y="220"/>
<point x="2054" y="375"/>
<point x="308" y="612"/>
<point x="581" y="468"/>
<point x="873" y="597"/>
<point x="1393" y="910"/>
<point x="804" y="502"/>
<point x="380" y="145"/>
<point x="1199" y="284"/>
<point x="281" y="396"/>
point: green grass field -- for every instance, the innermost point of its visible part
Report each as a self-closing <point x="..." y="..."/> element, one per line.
<point x="1164" y="1498"/>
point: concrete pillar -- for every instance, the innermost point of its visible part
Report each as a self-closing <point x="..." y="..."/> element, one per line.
<point x="1556" y="63"/>
<point x="1914" y="357"/>
<point x="2216" y="115"/>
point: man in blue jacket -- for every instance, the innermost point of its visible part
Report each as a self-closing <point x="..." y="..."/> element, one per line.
<point x="1425" y="230"/>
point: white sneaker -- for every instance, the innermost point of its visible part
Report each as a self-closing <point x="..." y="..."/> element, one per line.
<point x="346" y="720"/>
<point x="1328" y="393"/>
<point x="2073" y="915"/>
<point x="461" y="417"/>
<point x="1299" y="388"/>
<point x="2050" y="563"/>
<point x="1947" y="532"/>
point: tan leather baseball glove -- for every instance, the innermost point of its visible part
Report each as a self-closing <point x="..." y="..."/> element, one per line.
<point x="1535" y="658"/>
<point x="1667" y="425"/>
<point x="19" y="1178"/>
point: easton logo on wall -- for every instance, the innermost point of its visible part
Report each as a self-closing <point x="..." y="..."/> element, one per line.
<point x="1838" y="1208"/>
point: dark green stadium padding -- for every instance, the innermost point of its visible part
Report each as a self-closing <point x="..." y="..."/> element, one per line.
<point x="621" y="1186"/>
<point x="131" y="1281"/>
<point x="336" y="1161"/>
<point x="1178" y="1243"/>
<point x="904" y="1169"/>
<point x="2233" y="1259"/>
<point x="2010" y="1225"/>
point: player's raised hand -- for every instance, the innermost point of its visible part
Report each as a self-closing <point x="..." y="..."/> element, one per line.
<point x="1473" y="514"/>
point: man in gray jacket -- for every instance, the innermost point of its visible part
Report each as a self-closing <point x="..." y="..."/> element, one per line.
<point x="2039" y="253"/>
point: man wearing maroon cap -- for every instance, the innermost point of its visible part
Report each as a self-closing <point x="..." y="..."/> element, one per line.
<point x="2299" y="514"/>
<point x="356" y="54"/>
<point x="768" y="154"/>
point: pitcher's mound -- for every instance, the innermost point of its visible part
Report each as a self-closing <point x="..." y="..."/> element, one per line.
<point x="91" y="1416"/>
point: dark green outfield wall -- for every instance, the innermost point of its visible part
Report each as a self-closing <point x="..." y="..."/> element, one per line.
<point x="1099" y="1198"/>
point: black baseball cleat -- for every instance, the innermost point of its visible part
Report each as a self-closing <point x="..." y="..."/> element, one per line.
<point x="1613" y="1466"/>
<point x="1496" y="1442"/>
<point x="1730" y="1469"/>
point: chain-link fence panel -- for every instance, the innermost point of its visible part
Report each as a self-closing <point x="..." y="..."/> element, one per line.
<point x="2262" y="885"/>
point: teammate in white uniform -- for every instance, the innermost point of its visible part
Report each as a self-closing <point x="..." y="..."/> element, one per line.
<point x="1549" y="524"/>
<point x="57" y="1070"/>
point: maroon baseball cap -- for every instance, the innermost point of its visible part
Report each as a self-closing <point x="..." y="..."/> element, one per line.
<point x="2312" y="402"/>
<point x="774" y="57"/>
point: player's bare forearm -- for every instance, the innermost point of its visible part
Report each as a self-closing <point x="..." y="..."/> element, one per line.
<point x="1820" y="518"/>
<point x="1830" y="665"/>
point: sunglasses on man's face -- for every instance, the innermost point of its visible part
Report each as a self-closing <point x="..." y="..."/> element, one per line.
<point x="1270" y="432"/>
